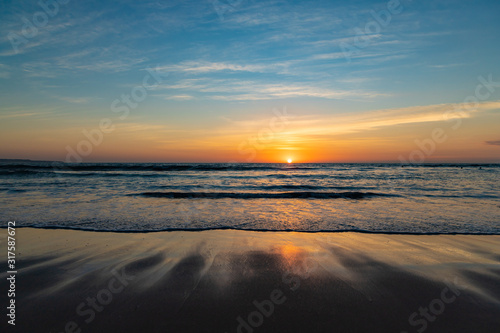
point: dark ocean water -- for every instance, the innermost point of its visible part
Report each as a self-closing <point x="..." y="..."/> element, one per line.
<point x="432" y="198"/>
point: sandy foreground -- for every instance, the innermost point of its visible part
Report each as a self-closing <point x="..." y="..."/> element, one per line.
<point x="243" y="281"/>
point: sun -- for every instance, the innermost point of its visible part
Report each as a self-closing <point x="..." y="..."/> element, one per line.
<point x="289" y="160"/>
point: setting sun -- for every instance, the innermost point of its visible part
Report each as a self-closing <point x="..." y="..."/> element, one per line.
<point x="289" y="160"/>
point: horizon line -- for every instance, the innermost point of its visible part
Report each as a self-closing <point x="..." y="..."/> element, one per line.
<point x="284" y="162"/>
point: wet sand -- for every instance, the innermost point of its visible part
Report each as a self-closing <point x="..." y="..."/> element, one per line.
<point x="242" y="281"/>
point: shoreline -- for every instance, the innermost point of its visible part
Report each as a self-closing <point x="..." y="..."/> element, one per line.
<point x="250" y="281"/>
<point x="360" y="231"/>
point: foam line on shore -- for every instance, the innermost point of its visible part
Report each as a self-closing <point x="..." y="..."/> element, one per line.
<point x="361" y="231"/>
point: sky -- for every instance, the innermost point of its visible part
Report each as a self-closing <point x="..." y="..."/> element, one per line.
<point x="250" y="81"/>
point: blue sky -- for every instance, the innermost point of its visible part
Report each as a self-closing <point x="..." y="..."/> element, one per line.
<point x="233" y="61"/>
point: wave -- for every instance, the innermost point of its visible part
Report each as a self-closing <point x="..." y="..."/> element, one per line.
<point x="250" y="187"/>
<point x="362" y="231"/>
<point x="286" y="187"/>
<point x="259" y="195"/>
<point x="478" y="196"/>
<point x="19" y="172"/>
<point x="291" y="187"/>
<point x="13" y="190"/>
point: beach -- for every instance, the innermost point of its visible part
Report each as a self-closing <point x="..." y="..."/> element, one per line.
<point x="247" y="281"/>
<point x="250" y="166"/>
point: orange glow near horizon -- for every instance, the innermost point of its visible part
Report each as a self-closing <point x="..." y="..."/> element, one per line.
<point x="379" y="136"/>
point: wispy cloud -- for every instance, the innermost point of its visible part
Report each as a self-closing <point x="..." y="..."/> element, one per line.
<point x="321" y="127"/>
<point x="97" y="60"/>
<point x="279" y="91"/>
<point x="493" y="143"/>
<point x="238" y="90"/>
<point x="138" y="127"/>
<point x="197" y="67"/>
<point x="23" y="115"/>
<point x="179" y="97"/>
<point x="62" y="29"/>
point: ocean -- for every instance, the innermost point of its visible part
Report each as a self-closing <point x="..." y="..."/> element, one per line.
<point x="143" y="197"/>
